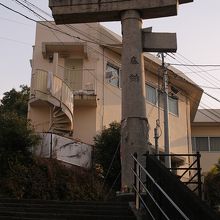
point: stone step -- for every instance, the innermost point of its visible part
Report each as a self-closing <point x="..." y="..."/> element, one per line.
<point x="36" y="215"/>
<point x="68" y="210"/>
<point x="27" y="209"/>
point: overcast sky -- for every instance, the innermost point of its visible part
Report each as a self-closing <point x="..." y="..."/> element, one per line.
<point x="197" y="27"/>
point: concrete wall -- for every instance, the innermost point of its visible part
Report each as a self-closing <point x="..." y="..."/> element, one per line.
<point x="66" y="150"/>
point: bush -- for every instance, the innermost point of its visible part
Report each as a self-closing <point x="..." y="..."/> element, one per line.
<point x="48" y="179"/>
<point x="212" y="185"/>
<point x="107" y="147"/>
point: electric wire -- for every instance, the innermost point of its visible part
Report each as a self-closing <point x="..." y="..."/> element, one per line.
<point x="16" y="41"/>
<point x="55" y="29"/>
<point x="198" y="68"/>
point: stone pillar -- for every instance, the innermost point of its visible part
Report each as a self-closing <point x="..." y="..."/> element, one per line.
<point x="134" y="122"/>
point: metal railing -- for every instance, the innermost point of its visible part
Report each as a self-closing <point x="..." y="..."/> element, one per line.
<point x="48" y="84"/>
<point x="141" y="191"/>
<point x="192" y="173"/>
<point x="79" y="79"/>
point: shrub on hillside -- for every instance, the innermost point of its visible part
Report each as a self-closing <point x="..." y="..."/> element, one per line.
<point x="48" y="179"/>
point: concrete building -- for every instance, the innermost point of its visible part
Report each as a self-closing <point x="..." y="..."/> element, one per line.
<point x="75" y="86"/>
<point x="206" y="137"/>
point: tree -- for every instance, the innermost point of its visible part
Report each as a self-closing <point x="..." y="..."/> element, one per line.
<point x="16" y="101"/>
<point x="212" y="185"/>
<point x="16" y="136"/>
<point x="107" y="154"/>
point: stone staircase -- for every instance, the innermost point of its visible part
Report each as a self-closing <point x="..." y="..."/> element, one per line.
<point x="81" y="210"/>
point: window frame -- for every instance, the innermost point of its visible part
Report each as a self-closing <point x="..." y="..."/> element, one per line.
<point x="196" y="148"/>
<point x="118" y="85"/>
<point x="160" y="99"/>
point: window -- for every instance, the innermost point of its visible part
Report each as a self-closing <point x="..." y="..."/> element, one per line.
<point x="112" y="75"/>
<point x="214" y="143"/>
<point x="173" y="105"/>
<point x="205" y="144"/>
<point x="156" y="97"/>
<point x="151" y="94"/>
<point x="202" y="144"/>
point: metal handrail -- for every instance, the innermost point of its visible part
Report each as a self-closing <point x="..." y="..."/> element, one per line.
<point x="196" y="163"/>
<point x="154" y="200"/>
<point x="159" y="188"/>
<point x="60" y="99"/>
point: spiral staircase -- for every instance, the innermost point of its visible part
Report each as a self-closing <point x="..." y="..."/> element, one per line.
<point x="52" y="92"/>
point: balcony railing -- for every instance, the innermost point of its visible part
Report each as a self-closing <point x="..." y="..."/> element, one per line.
<point x="79" y="80"/>
<point x="49" y="85"/>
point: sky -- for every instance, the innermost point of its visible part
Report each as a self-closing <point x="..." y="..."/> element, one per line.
<point x="198" y="36"/>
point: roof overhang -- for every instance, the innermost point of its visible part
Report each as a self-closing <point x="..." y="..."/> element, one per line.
<point x="64" y="49"/>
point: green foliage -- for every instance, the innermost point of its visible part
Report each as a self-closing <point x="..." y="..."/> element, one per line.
<point x="48" y="179"/>
<point x="106" y="144"/>
<point x="212" y="185"/>
<point x="16" y="136"/>
<point x="16" y="101"/>
<point x="22" y="175"/>
<point x="16" y="140"/>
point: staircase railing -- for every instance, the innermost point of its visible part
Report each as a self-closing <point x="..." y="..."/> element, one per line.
<point x="51" y="85"/>
<point x="163" y="195"/>
<point x="140" y="186"/>
<point x="193" y="171"/>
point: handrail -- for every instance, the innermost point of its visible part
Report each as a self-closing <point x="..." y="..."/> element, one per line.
<point x="60" y="90"/>
<point x="158" y="187"/>
<point x="154" y="200"/>
<point x="191" y="167"/>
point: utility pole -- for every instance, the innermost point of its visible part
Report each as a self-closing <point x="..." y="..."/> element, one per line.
<point x="166" y="114"/>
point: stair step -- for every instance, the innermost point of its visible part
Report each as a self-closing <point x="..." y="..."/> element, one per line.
<point x="61" y="122"/>
<point x="34" y="215"/>
<point x="58" y="114"/>
<point x="57" y="202"/>
<point x="27" y="209"/>
<point x="70" y="210"/>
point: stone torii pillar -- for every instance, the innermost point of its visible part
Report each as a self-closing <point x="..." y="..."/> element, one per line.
<point x="135" y="42"/>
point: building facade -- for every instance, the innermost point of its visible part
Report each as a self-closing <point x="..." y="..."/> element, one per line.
<point x="75" y="86"/>
<point x="206" y="137"/>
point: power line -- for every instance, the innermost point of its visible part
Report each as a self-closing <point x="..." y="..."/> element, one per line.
<point x="209" y="87"/>
<point x="14" y="21"/>
<point x="216" y="99"/>
<point x="202" y="71"/>
<point x="55" y="29"/>
<point x="16" y="41"/>
<point x="199" y="67"/>
<point x="61" y="31"/>
<point x="195" y="65"/>
<point x="205" y="78"/>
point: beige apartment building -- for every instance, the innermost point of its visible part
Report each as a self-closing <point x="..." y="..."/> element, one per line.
<point x="206" y="137"/>
<point x="75" y="86"/>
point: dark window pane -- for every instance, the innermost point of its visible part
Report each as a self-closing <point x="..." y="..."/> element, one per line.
<point x="173" y="105"/>
<point x="194" y="144"/>
<point x="151" y="94"/>
<point x="202" y="143"/>
<point x="214" y="143"/>
<point x="161" y="99"/>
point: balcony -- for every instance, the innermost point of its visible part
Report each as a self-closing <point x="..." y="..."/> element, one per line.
<point x="83" y="83"/>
